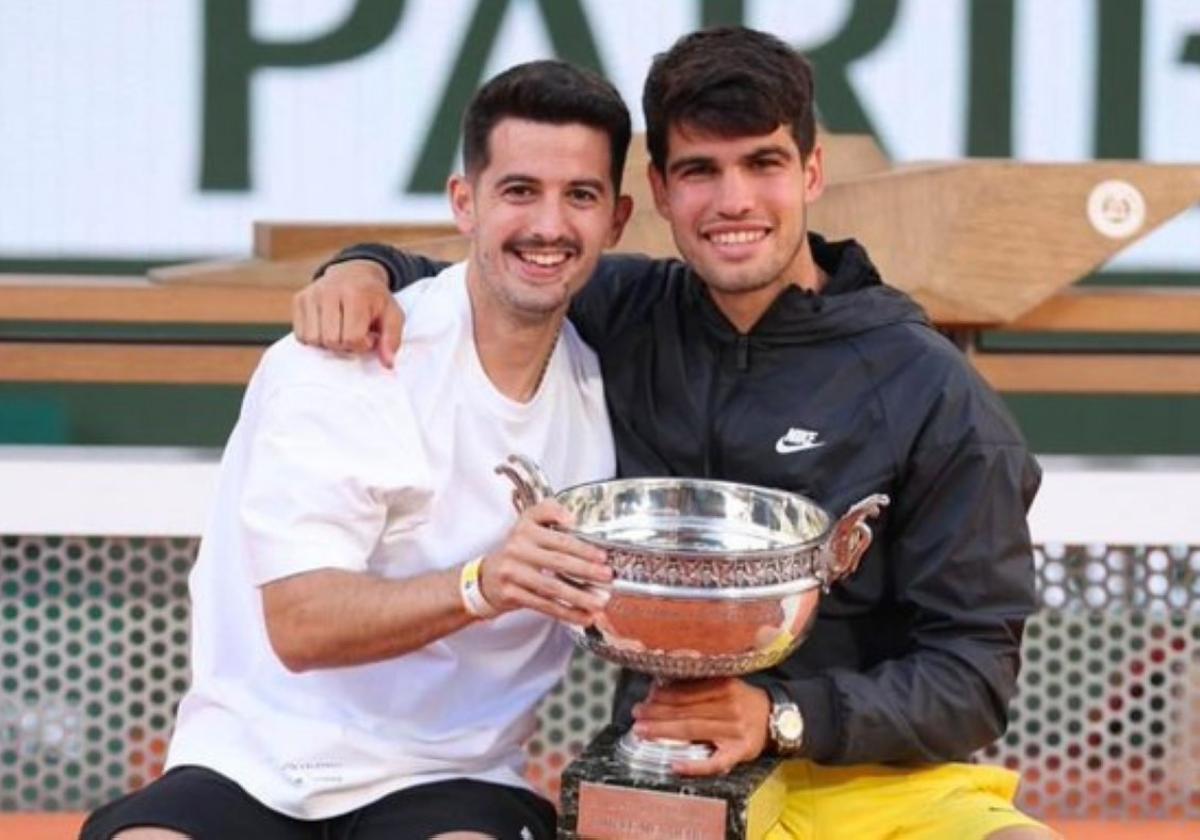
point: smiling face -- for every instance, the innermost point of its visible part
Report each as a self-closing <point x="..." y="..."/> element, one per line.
<point x="737" y="209"/>
<point x="538" y="214"/>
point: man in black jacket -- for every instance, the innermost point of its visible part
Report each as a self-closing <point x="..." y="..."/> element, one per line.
<point x="775" y="358"/>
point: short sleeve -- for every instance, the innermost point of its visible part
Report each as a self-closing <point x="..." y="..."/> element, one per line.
<point x="324" y="468"/>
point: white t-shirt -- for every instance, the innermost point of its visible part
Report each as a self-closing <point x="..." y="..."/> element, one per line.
<point x="340" y="463"/>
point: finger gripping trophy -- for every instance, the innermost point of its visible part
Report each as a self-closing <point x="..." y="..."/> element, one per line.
<point x="711" y="579"/>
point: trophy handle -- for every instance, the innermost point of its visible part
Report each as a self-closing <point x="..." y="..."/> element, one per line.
<point x="850" y="539"/>
<point x="530" y="484"/>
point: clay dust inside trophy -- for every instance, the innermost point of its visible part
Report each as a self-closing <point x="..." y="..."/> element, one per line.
<point x="711" y="578"/>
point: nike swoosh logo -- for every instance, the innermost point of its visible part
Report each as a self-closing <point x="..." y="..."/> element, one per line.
<point x="783" y="447"/>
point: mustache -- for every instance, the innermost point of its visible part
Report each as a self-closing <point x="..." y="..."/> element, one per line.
<point x="562" y="243"/>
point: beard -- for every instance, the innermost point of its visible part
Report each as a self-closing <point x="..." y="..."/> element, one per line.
<point x="525" y="302"/>
<point x="733" y="279"/>
<point x="770" y="269"/>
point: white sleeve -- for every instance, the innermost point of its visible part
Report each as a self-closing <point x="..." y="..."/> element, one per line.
<point x="322" y="465"/>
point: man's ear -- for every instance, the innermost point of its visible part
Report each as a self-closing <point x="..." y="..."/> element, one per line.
<point x="658" y="187"/>
<point x="814" y="174"/>
<point x="462" y="203"/>
<point x="621" y="213"/>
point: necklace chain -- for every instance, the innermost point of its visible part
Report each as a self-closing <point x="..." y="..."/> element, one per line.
<point x="546" y="361"/>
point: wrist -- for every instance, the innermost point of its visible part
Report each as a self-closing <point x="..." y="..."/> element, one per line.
<point x="361" y="256"/>
<point x="470" y="590"/>
<point x="379" y="274"/>
<point x="785" y="723"/>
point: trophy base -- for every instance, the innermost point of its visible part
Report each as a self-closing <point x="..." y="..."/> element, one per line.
<point x="603" y="798"/>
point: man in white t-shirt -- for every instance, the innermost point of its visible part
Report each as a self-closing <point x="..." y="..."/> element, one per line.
<point x="371" y="631"/>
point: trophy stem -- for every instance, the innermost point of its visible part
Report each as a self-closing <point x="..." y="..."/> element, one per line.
<point x="654" y="756"/>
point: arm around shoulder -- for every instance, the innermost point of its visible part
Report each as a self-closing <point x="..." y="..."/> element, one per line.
<point x="621" y="293"/>
<point x="402" y="268"/>
<point x="349" y="307"/>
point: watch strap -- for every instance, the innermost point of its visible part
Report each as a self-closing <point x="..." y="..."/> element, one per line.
<point x="778" y="694"/>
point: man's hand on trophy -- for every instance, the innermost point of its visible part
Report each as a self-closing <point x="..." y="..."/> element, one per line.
<point x="349" y="310"/>
<point x="542" y="568"/>
<point x="726" y="712"/>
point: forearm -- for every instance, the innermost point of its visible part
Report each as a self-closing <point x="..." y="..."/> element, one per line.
<point x="333" y="618"/>
<point x="919" y="709"/>
<point x="930" y="706"/>
<point x="958" y="555"/>
<point x="620" y="292"/>
<point x="398" y="268"/>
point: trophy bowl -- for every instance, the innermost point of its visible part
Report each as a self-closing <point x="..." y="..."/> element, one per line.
<point x="711" y="578"/>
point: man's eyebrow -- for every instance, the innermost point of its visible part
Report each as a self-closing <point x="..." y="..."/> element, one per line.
<point x="515" y="178"/>
<point x="598" y="184"/>
<point x="685" y="162"/>
<point x="769" y="151"/>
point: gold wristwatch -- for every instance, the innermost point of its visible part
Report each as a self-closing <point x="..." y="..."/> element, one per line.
<point x="786" y="724"/>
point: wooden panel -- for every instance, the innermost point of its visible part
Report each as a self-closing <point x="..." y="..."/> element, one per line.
<point x="981" y="243"/>
<point x="289" y="274"/>
<point x="1098" y="373"/>
<point x="134" y="300"/>
<point x="226" y="364"/>
<point x="1116" y="310"/>
<point x="184" y="364"/>
<point x="285" y="240"/>
<point x="848" y="156"/>
<point x="126" y="300"/>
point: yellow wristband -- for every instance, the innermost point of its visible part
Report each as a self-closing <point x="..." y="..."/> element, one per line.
<point x="470" y="588"/>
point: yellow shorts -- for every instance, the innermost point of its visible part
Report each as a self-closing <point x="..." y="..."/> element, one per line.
<point x="951" y="801"/>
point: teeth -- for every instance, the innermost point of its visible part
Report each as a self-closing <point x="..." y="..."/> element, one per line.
<point x="738" y="237"/>
<point x="546" y="260"/>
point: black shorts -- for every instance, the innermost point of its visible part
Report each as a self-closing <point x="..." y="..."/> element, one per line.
<point x="205" y="805"/>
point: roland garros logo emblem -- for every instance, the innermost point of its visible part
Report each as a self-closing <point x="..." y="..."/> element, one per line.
<point x="1116" y="209"/>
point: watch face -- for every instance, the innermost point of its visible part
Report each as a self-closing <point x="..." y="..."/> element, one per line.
<point x="789" y="725"/>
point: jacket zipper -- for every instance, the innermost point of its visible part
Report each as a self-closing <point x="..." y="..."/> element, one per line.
<point x="741" y="350"/>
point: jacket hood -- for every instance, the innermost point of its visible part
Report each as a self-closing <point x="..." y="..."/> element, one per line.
<point x="853" y="301"/>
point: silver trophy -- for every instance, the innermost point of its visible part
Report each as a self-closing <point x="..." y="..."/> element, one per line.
<point x="711" y="578"/>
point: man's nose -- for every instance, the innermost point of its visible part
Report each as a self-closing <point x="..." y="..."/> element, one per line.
<point x="734" y="194"/>
<point x="549" y="220"/>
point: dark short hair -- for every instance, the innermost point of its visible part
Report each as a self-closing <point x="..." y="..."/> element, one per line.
<point x="731" y="82"/>
<point x="548" y="92"/>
